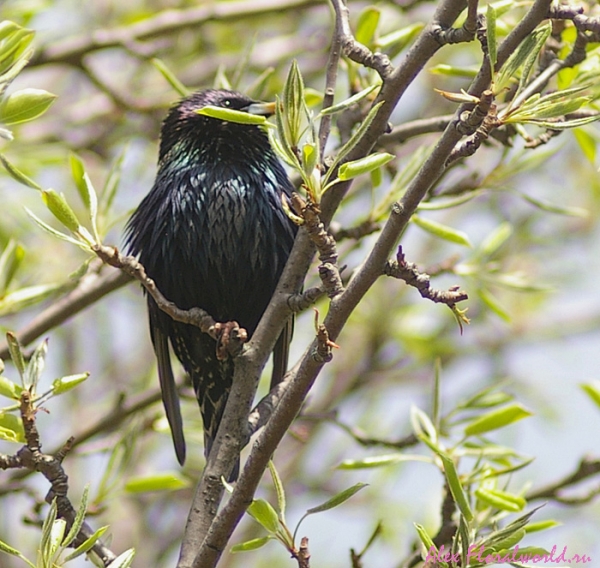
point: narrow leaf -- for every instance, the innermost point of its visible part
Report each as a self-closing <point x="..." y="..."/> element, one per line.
<point x="18" y="175"/>
<point x="500" y="499"/>
<point x="67" y="383"/>
<point x="442" y="231"/>
<point x="35" y="367"/>
<point x="347" y="103"/>
<point x="123" y="560"/>
<point x="166" y="481"/>
<point x="337" y="499"/>
<point x="354" y="139"/>
<point x="53" y="231"/>
<point x="456" y="489"/>
<point x="170" y="77"/>
<point x="365" y="165"/>
<point x="230" y="115"/>
<point x="541" y="526"/>
<point x="253" y="544"/>
<point x="16" y="353"/>
<point x="87" y="545"/>
<point x="425" y="538"/>
<point x="493" y="304"/>
<point x="79" y="517"/>
<point x="496" y="419"/>
<point x="381" y="461"/>
<point x="368" y="20"/>
<point x="278" y="489"/>
<point x="264" y="514"/>
<point x="59" y="207"/>
<point x="593" y="391"/>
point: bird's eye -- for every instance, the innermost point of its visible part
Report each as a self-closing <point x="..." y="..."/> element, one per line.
<point x="227" y="103"/>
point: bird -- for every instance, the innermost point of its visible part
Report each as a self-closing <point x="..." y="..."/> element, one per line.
<point x="212" y="233"/>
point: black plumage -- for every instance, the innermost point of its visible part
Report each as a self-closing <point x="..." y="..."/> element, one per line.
<point x="212" y="234"/>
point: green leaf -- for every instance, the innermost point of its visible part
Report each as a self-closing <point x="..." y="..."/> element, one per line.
<point x="587" y="143"/>
<point x="9" y="389"/>
<point x="331" y="503"/>
<point x="87" y="545"/>
<point x="491" y="37"/>
<point x="278" y="489"/>
<point x="18" y="175"/>
<point x="510" y="69"/>
<point x="16" y="354"/>
<point x="496" y="419"/>
<point x="25" y="105"/>
<point x="452" y="71"/>
<point x="541" y="526"/>
<point x="396" y="41"/>
<point x="79" y="518"/>
<point x="501" y="500"/>
<point x="64" y="384"/>
<point x="58" y="206"/>
<point x="10" y="260"/>
<point x="170" y="77"/>
<point x="366" y="27"/>
<point x="57" y="533"/>
<point x="493" y="304"/>
<point x="553" y="208"/>
<point x="510" y="541"/>
<point x="347" y="103"/>
<point x="44" y="548"/>
<point x="543" y="33"/>
<point x="166" y="481"/>
<point x="253" y="544"/>
<point x="455" y="486"/>
<point x="354" y="139"/>
<point x="336" y="500"/>
<point x="381" y="461"/>
<point x="24" y="297"/>
<point x="124" y="560"/>
<point x="495" y="239"/>
<point x="425" y="537"/>
<point x="11" y="428"/>
<point x="593" y="391"/>
<point x="350" y="170"/>
<point x="86" y="192"/>
<point x="230" y="115"/>
<point x="264" y="514"/>
<point x="424" y="429"/>
<point x="35" y="367"/>
<point x="7" y="28"/>
<point x="14" y="552"/>
<point x="442" y="231"/>
<point x="310" y="157"/>
<point x="293" y="105"/>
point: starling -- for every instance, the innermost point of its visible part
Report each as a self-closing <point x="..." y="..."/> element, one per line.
<point x="212" y="234"/>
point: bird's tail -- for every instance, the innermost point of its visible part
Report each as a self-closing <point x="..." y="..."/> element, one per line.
<point x="212" y="385"/>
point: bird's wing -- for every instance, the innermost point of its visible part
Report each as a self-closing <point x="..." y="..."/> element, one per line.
<point x="170" y="397"/>
<point x="281" y="353"/>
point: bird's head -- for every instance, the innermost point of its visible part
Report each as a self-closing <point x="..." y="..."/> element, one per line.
<point x="183" y="124"/>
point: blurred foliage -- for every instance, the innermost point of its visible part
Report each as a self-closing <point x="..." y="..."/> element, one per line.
<point x="516" y="227"/>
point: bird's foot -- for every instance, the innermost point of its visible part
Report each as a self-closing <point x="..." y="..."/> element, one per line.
<point x="230" y="339"/>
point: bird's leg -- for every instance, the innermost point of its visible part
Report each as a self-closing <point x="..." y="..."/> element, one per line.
<point x="230" y="339"/>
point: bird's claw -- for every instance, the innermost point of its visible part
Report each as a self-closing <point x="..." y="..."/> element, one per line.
<point x="230" y="339"/>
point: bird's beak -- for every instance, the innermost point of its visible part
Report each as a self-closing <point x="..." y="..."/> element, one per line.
<point x="261" y="109"/>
